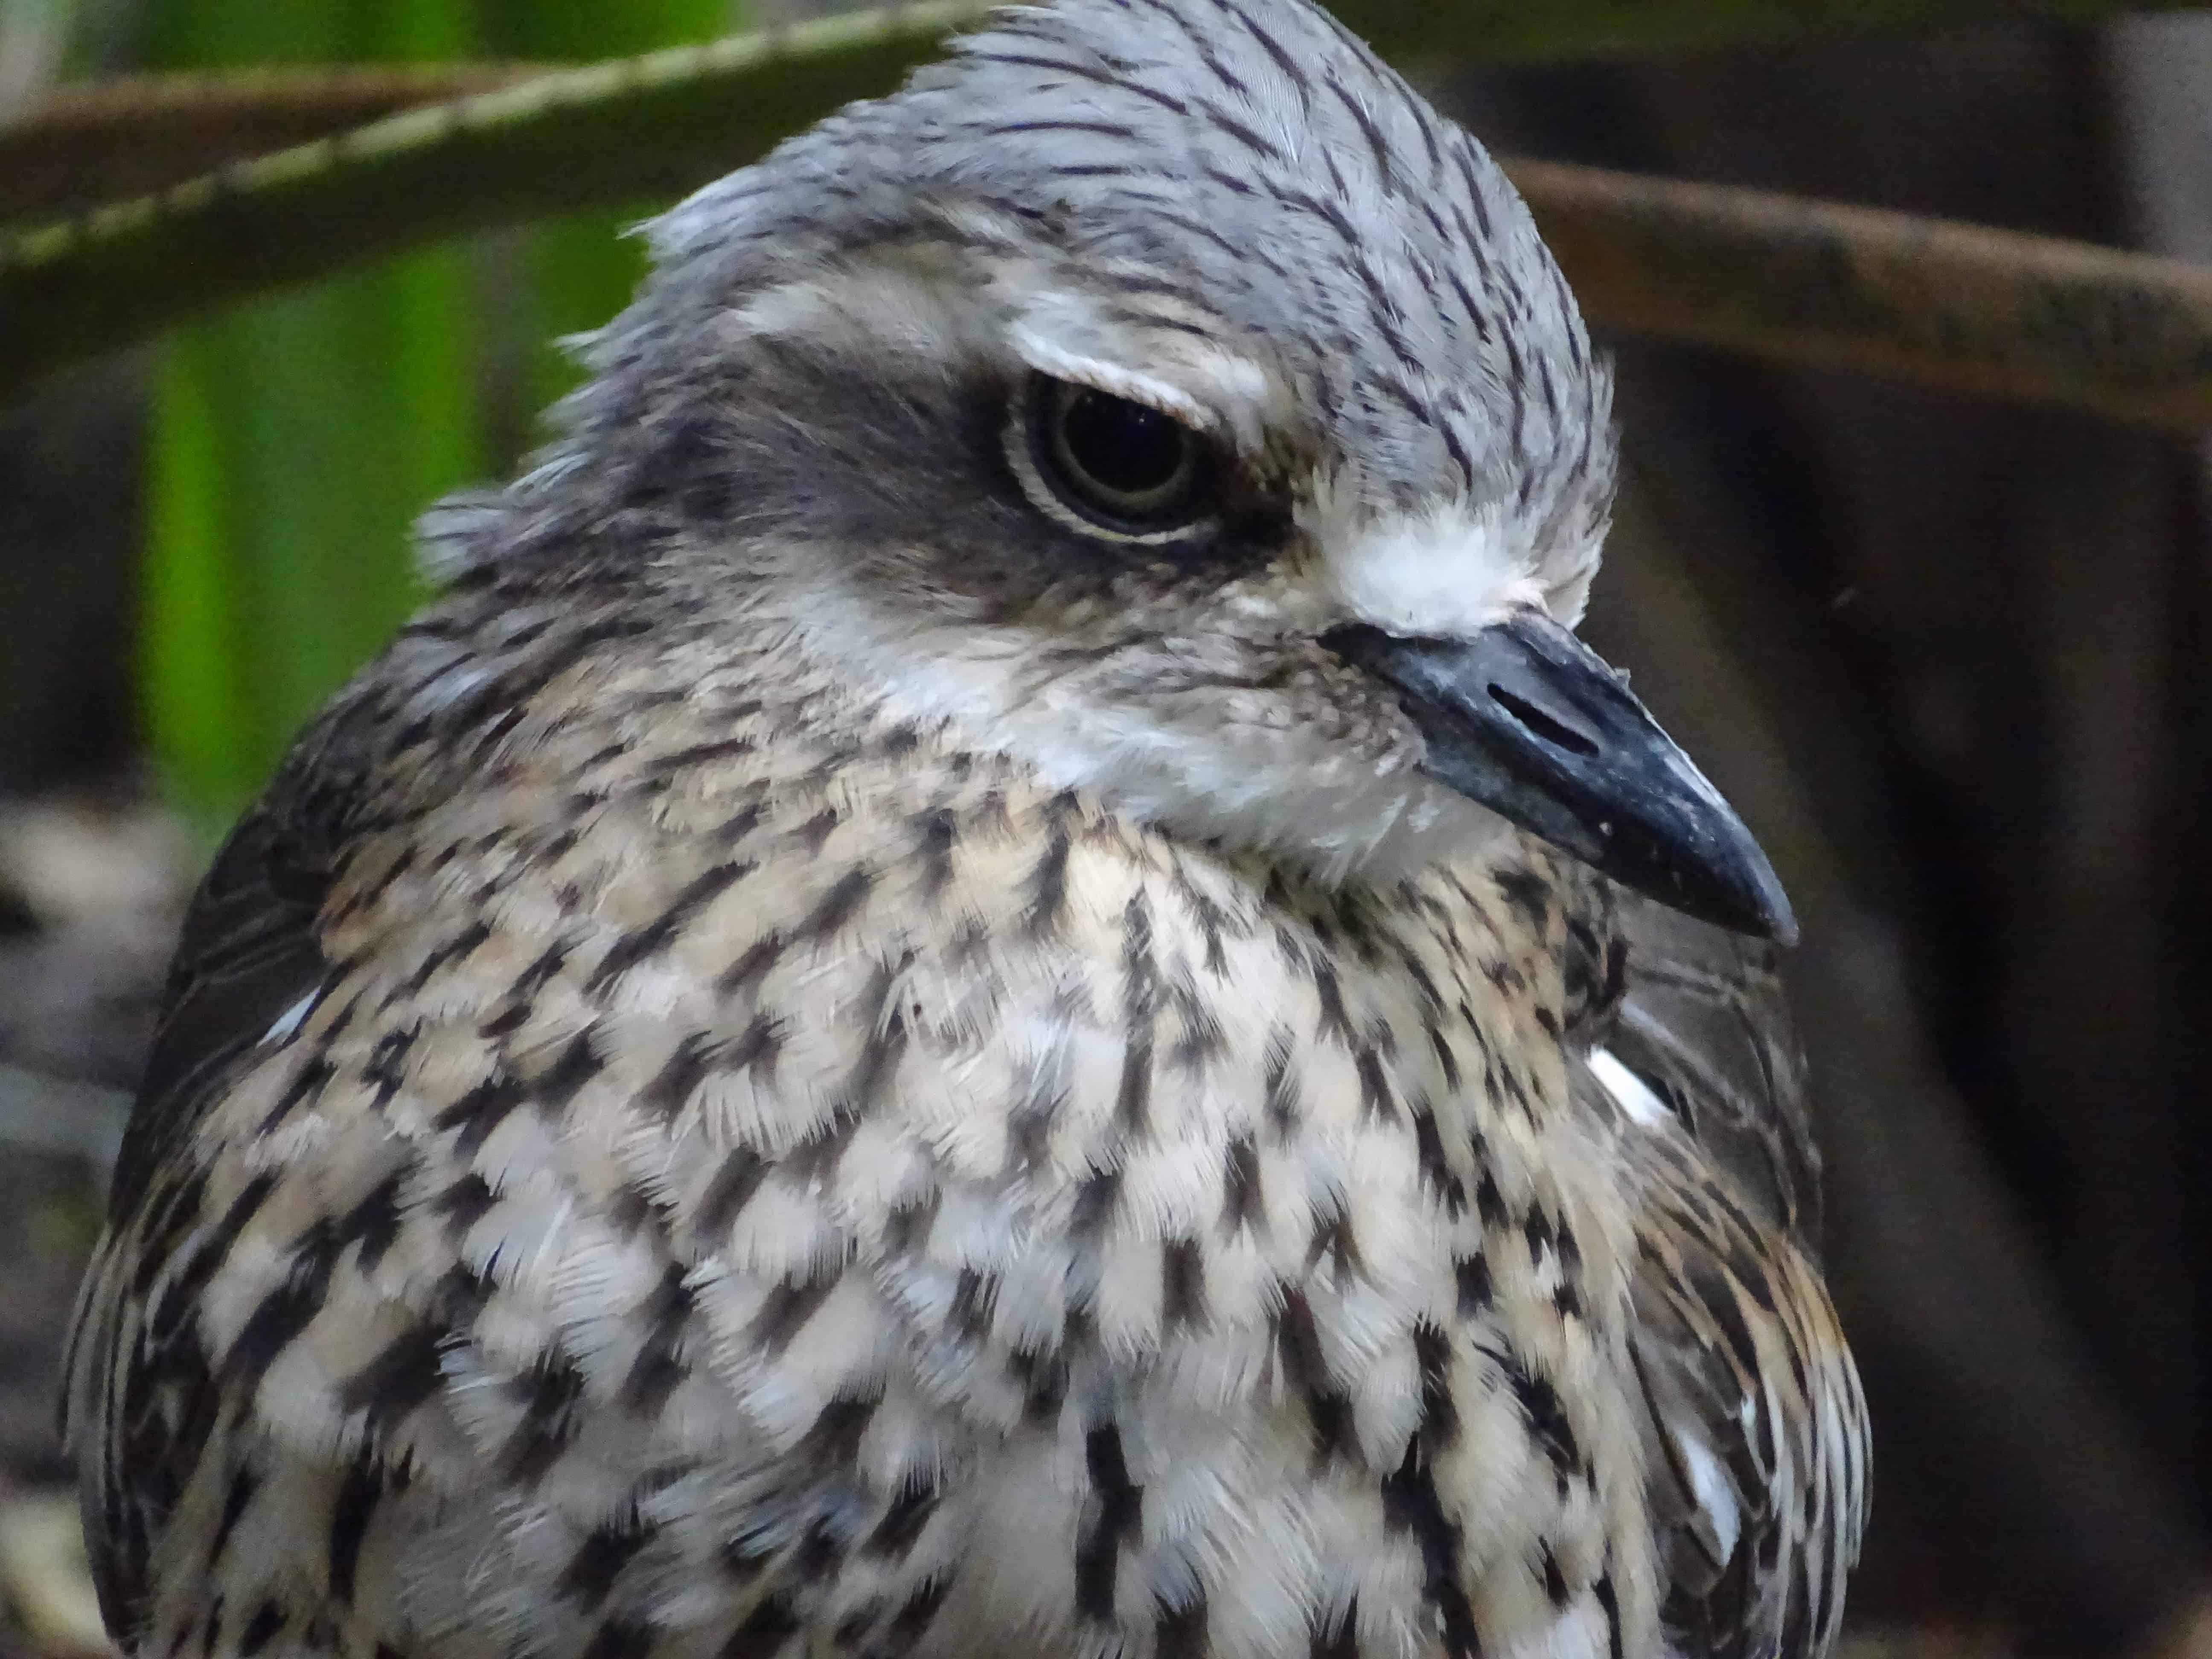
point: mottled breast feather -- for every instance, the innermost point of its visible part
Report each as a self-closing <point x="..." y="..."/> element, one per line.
<point x="718" y="1179"/>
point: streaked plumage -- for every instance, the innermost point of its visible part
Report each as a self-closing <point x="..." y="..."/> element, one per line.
<point x="862" y="1043"/>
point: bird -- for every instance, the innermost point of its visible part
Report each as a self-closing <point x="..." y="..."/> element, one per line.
<point x="993" y="976"/>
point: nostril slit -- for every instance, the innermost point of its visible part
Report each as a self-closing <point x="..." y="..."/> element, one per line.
<point x="1555" y="732"/>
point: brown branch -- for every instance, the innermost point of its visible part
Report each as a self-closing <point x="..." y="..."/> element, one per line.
<point x="139" y="135"/>
<point x="1956" y="306"/>
<point x="1949" y="306"/>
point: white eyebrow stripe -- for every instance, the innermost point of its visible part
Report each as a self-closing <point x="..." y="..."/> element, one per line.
<point x="1211" y="389"/>
<point x="912" y="300"/>
<point x="898" y="305"/>
<point x="1079" y="330"/>
<point x="1047" y="358"/>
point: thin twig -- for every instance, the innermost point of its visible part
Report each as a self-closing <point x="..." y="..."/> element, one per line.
<point x="632" y="130"/>
<point x="136" y="135"/>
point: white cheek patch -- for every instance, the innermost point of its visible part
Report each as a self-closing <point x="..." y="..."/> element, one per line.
<point x="1286" y="790"/>
<point x="1445" y="572"/>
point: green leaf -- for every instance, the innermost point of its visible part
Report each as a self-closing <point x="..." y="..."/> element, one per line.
<point x="578" y="271"/>
<point x="293" y="443"/>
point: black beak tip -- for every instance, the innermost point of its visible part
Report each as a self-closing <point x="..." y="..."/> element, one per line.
<point x="1712" y="868"/>
<point x="1732" y="886"/>
<point x="1527" y="720"/>
<point x="1763" y="909"/>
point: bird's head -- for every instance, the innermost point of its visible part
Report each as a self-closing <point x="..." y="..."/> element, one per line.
<point x="1162" y="393"/>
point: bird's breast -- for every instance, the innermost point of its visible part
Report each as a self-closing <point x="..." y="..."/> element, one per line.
<point x="1016" y="1216"/>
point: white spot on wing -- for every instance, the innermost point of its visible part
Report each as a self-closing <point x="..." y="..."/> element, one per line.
<point x="1630" y="1093"/>
<point x="1710" y="1483"/>
<point x="288" y="1023"/>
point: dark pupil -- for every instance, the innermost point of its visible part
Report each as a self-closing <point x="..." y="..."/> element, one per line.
<point x="1124" y="448"/>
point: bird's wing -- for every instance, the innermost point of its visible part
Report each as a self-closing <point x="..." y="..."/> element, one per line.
<point x="1756" y="1431"/>
<point x="140" y="1397"/>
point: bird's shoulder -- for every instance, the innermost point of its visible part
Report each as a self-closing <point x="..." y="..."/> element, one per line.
<point x="1756" y="1435"/>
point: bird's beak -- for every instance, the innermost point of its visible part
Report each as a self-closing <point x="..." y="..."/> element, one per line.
<point x="1529" y="722"/>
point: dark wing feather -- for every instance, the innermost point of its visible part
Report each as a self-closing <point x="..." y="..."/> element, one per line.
<point x="140" y="1402"/>
<point x="1756" y="1431"/>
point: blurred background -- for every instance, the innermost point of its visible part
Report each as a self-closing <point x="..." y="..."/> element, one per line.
<point x="1949" y="657"/>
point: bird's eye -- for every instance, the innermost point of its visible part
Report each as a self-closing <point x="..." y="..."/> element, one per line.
<point x="1118" y="467"/>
